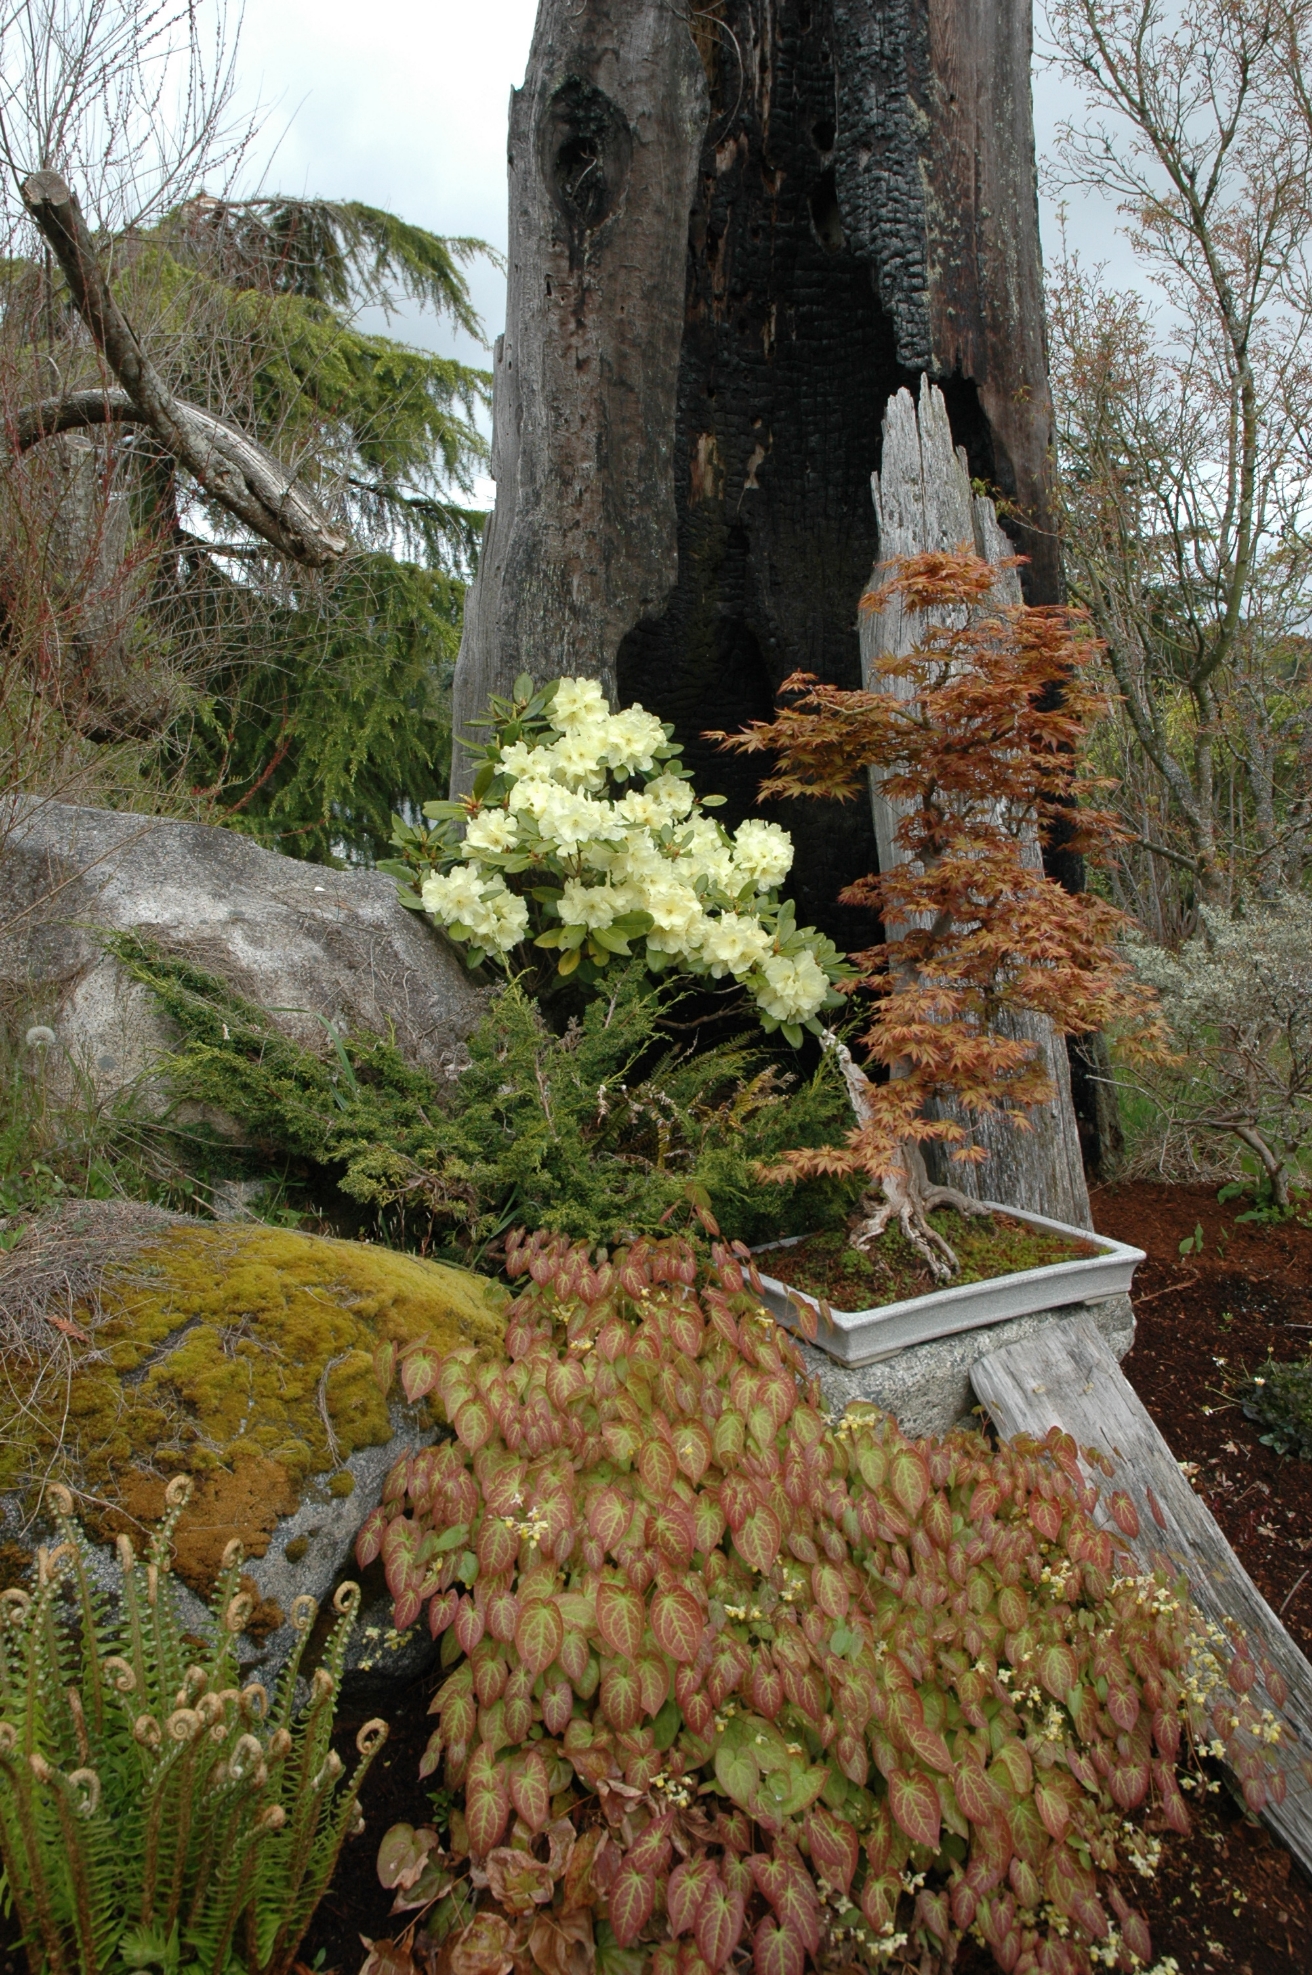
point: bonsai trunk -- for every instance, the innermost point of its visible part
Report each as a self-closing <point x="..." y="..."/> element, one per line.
<point x="908" y="1192"/>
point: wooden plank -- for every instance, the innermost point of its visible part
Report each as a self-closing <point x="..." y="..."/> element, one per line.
<point x="1066" y="1377"/>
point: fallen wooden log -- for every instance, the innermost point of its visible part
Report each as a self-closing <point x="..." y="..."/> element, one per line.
<point x="1065" y="1376"/>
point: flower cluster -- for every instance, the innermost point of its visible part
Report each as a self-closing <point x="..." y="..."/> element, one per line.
<point x="584" y="834"/>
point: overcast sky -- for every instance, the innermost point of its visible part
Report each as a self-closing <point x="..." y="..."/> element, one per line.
<point x="402" y="104"/>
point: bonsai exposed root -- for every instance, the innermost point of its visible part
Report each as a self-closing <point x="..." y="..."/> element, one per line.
<point x="908" y="1190"/>
<point x="912" y="1197"/>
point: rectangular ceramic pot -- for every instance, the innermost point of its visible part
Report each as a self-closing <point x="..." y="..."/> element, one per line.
<point x="862" y="1337"/>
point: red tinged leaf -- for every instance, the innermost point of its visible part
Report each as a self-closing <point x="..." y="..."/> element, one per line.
<point x="707" y="1523"/>
<point x="530" y="1791"/>
<point x="929" y="1745"/>
<point x="442" y="1609"/>
<point x="693" y="1450"/>
<point x="487" y="1947"/>
<point x="1123" y="1707"/>
<point x="369" y="1541"/>
<point x="908" y="1477"/>
<point x="658" y="1467"/>
<point x="759" y="1538"/>
<point x="609" y="1516"/>
<point x="833" y="1847"/>
<point x="632" y="1898"/>
<point x="574" y="1655"/>
<point x="486" y="1811"/>
<point x="738" y="1497"/>
<point x="767" y="1687"/>
<point x="653" y="1684"/>
<point x="620" y="1618"/>
<point x="1058" y="1670"/>
<point x="676" y="1619"/>
<point x="777" y="1950"/>
<point x="496" y="1546"/>
<point x="718" y="1927"/>
<point x="621" y="1700"/>
<point x="1053" y="1809"/>
<point x="1012" y="1768"/>
<point x="650" y="1851"/>
<point x="557" y="1705"/>
<point x="914" y="1802"/>
<point x="975" y="1793"/>
<point x="502" y="1612"/>
<point x="468" y="1625"/>
<point x="1124" y="1513"/>
<point x="420" y="1369"/>
<point x="1046" y="1518"/>
<point x="686" y="1890"/>
<point x="829" y="1590"/>
<point x="539" y="1634"/>
<point x="473" y="1424"/>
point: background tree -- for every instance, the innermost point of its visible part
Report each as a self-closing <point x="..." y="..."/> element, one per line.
<point x="1183" y="437"/>
<point x="154" y="650"/>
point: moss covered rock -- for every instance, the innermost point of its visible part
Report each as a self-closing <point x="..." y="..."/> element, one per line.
<point x="257" y="1359"/>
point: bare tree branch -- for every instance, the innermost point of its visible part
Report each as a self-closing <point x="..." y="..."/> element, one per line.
<point x="233" y="470"/>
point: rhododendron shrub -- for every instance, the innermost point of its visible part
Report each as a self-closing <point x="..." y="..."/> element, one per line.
<point x="583" y="840"/>
<point x="723" y="1677"/>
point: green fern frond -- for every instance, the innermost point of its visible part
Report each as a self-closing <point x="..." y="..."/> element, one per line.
<point x="154" y="1813"/>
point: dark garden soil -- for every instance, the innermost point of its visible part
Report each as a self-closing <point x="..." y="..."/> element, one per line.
<point x="827" y="1265"/>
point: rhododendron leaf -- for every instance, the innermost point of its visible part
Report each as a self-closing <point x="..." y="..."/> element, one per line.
<point x="914" y="1803"/>
<point x="632" y="1898"/>
<point x="676" y="1619"/>
<point x="620" y="1618"/>
<point x="539" y="1635"/>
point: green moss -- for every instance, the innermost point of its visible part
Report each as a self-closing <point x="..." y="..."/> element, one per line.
<point x="342" y="1484"/>
<point x="218" y="1347"/>
<point x="826" y="1265"/>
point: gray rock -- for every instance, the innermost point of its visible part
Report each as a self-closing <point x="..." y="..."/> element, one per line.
<point x="928" y="1389"/>
<point x="301" y="940"/>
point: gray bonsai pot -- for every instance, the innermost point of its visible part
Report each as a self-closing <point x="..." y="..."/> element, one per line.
<point x="863" y="1337"/>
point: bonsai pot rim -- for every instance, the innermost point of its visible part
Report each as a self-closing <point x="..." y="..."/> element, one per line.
<point x="864" y="1337"/>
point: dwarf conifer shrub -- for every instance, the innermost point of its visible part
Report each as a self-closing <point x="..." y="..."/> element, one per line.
<point x="724" y="1674"/>
<point x="153" y="1812"/>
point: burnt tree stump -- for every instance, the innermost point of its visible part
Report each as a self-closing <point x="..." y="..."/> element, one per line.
<point x="737" y="230"/>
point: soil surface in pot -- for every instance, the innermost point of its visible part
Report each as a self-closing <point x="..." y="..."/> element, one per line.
<point x="848" y="1279"/>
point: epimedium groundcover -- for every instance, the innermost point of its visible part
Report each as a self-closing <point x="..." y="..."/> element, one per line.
<point x="723" y="1674"/>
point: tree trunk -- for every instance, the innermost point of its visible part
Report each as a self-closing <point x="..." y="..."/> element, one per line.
<point x="923" y="501"/>
<point x="691" y="390"/>
<point x="604" y="142"/>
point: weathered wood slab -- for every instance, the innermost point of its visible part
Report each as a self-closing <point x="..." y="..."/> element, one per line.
<point x="1066" y="1377"/>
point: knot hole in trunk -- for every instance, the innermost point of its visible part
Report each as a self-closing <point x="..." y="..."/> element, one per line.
<point x="586" y="149"/>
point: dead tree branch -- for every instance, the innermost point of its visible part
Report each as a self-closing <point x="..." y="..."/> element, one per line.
<point x="233" y="470"/>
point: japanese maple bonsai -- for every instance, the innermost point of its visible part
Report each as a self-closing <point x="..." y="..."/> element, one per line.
<point x="976" y="737"/>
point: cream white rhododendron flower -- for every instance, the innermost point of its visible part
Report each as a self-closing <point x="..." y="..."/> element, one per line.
<point x="555" y="849"/>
